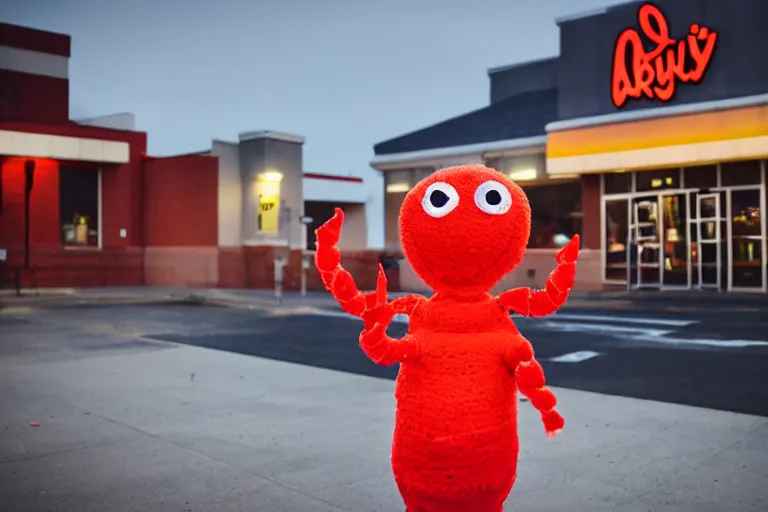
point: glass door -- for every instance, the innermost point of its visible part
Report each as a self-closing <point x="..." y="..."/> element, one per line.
<point x="746" y="239"/>
<point x="706" y="251"/>
<point x="616" y="235"/>
<point x="674" y="241"/>
<point x="645" y="258"/>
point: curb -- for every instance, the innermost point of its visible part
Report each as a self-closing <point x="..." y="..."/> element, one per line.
<point x="52" y="301"/>
<point x="73" y="301"/>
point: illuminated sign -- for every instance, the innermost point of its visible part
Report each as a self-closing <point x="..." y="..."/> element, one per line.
<point x="655" y="74"/>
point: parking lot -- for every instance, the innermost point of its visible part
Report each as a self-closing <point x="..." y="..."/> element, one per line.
<point x="200" y="408"/>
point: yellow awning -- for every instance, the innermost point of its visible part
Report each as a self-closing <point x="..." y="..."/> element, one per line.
<point x="692" y="139"/>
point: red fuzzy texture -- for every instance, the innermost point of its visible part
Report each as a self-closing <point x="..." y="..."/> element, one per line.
<point x="462" y="361"/>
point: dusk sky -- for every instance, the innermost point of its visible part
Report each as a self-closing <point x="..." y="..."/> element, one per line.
<point x="345" y="74"/>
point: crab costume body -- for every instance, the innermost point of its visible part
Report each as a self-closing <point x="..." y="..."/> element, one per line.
<point x="462" y="361"/>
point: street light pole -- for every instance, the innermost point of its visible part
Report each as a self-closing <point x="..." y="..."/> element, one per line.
<point x="280" y="261"/>
<point x="29" y="182"/>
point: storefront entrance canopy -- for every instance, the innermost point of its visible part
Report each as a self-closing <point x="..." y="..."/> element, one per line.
<point x="58" y="147"/>
<point x="682" y="136"/>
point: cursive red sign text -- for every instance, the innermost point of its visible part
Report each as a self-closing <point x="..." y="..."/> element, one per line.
<point x="654" y="74"/>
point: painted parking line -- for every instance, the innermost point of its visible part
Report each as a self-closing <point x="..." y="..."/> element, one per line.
<point x="624" y="319"/>
<point x="575" y="357"/>
<point x="398" y="319"/>
<point x="600" y="328"/>
<point x="403" y="319"/>
<point x="705" y="342"/>
<point x="633" y="333"/>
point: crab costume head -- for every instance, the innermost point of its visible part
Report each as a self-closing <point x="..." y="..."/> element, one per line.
<point x="463" y="229"/>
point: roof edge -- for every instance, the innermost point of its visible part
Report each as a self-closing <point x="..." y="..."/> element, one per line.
<point x="457" y="151"/>
<point x="273" y="135"/>
<point x="592" y="12"/>
<point x="498" y="104"/>
<point x="508" y="67"/>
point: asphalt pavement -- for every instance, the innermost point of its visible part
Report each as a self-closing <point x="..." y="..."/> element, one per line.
<point x="714" y="359"/>
<point x="706" y="360"/>
<point x="125" y="408"/>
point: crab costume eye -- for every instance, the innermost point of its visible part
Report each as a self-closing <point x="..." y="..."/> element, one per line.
<point x="493" y="198"/>
<point x="440" y="199"/>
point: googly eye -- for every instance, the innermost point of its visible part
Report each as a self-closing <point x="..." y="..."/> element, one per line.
<point x="440" y="199"/>
<point x="493" y="198"/>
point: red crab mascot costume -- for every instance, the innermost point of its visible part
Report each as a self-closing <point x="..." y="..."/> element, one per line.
<point x="455" y="444"/>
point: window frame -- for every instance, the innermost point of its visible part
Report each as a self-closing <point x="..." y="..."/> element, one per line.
<point x="550" y="183"/>
<point x="99" y="210"/>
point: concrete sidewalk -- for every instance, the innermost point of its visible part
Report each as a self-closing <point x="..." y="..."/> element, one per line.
<point x="689" y="301"/>
<point x="125" y="425"/>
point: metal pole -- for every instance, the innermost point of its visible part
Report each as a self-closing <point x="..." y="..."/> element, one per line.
<point x="29" y="176"/>
<point x="304" y="265"/>
<point x="29" y="181"/>
<point x="26" y="230"/>
<point x="278" y="279"/>
<point x="305" y="221"/>
<point x="303" y="277"/>
<point x="279" y="292"/>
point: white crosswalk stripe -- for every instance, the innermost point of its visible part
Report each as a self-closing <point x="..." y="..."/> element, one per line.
<point x="625" y="319"/>
<point x="628" y="328"/>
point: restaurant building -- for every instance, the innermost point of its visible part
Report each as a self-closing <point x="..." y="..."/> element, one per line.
<point x="82" y="204"/>
<point x="647" y="135"/>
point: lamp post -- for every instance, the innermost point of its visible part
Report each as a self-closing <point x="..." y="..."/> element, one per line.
<point x="305" y="221"/>
<point x="29" y="182"/>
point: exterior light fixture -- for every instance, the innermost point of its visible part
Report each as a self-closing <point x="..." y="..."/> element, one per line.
<point x="394" y="188"/>
<point x="524" y="174"/>
<point x="272" y="176"/>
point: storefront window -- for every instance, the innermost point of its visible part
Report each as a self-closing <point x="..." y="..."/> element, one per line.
<point x="675" y="240"/>
<point x="740" y="173"/>
<point x="616" y="231"/>
<point x="269" y="206"/>
<point x="523" y="168"/>
<point x="617" y="183"/>
<point x="79" y="206"/>
<point x="747" y="234"/>
<point x="700" y="177"/>
<point x="398" y="181"/>
<point x="555" y="213"/>
<point x="649" y="181"/>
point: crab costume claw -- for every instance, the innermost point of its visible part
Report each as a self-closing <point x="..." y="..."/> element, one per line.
<point x="336" y="279"/>
<point x="531" y="382"/>
<point x="528" y="302"/>
<point x="372" y="307"/>
<point x="379" y="347"/>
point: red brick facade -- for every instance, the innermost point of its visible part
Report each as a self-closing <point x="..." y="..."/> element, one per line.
<point x="253" y="267"/>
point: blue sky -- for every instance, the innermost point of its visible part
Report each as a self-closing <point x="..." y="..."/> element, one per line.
<point x="343" y="73"/>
